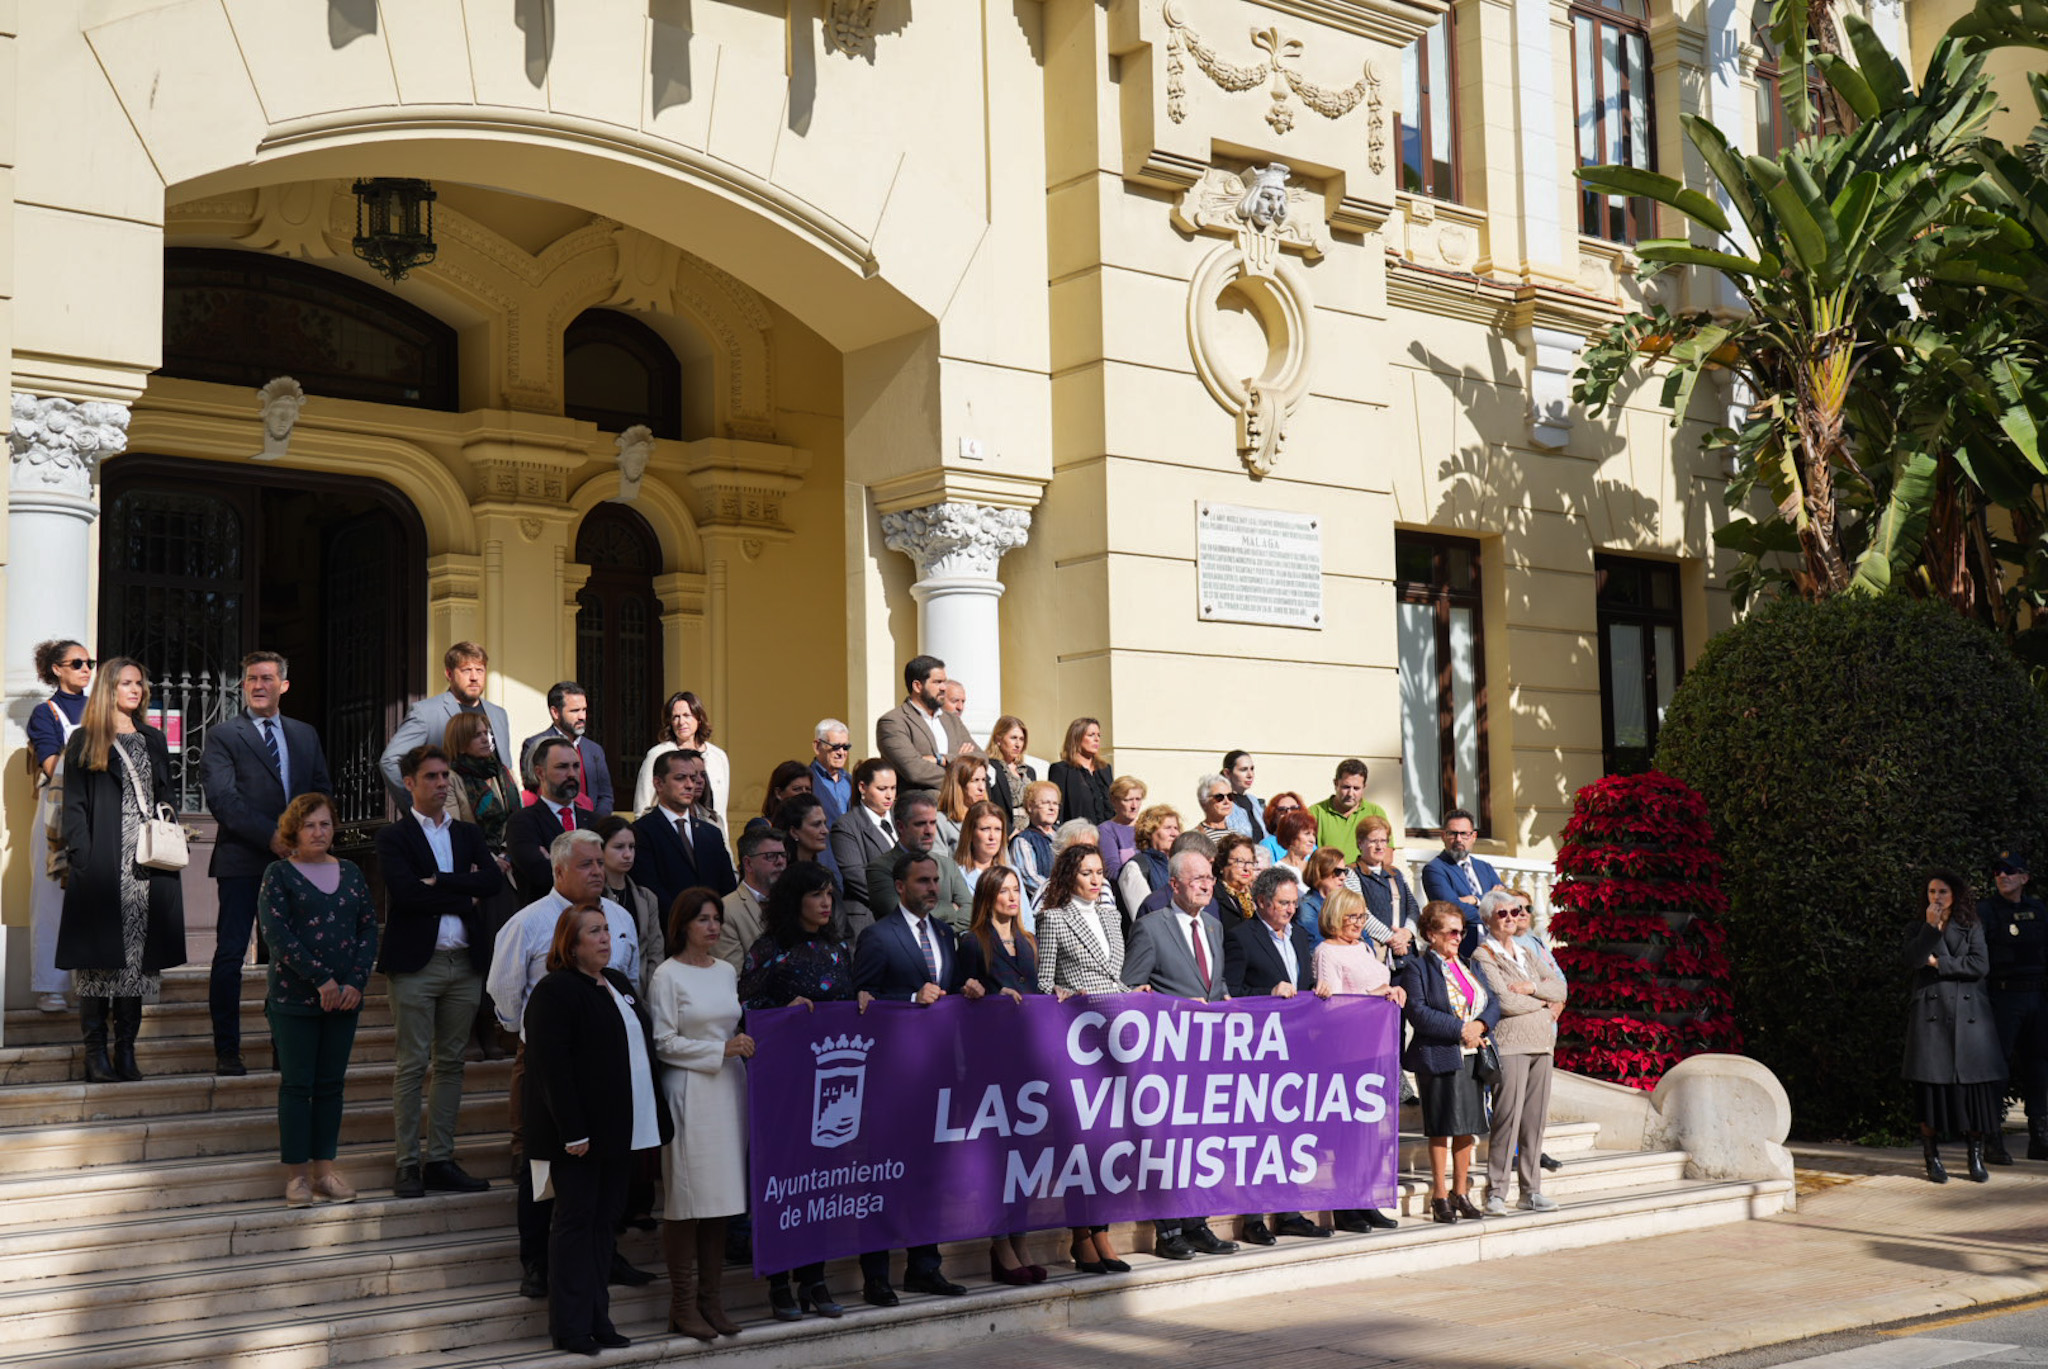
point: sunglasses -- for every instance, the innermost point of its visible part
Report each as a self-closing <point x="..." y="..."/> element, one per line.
<point x="839" y="746"/>
<point x="79" y="663"/>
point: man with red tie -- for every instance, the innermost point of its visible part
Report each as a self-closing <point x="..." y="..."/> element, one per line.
<point x="530" y="831"/>
<point x="1179" y="950"/>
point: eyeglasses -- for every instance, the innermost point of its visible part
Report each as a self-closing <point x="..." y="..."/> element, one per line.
<point x="79" y="663"/>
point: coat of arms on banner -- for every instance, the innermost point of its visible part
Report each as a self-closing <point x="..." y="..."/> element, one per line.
<point x="836" y="1089"/>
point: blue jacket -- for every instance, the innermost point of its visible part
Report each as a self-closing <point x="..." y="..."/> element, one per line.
<point x="1435" y="1047"/>
<point x="1443" y="881"/>
<point x="888" y="963"/>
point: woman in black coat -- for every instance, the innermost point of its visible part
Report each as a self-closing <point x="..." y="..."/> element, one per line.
<point x="1081" y="775"/>
<point x="123" y="924"/>
<point x="1451" y="1013"/>
<point x="592" y="1100"/>
<point x="1952" y="1049"/>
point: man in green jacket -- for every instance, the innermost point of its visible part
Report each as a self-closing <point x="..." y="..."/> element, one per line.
<point x="1337" y="816"/>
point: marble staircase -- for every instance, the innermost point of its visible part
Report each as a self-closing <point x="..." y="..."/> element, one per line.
<point x="143" y="1224"/>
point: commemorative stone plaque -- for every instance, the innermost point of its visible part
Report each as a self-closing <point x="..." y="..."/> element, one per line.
<point x="1259" y="566"/>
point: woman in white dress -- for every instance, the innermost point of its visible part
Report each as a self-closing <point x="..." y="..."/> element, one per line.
<point x="685" y="727"/>
<point x="696" y="1005"/>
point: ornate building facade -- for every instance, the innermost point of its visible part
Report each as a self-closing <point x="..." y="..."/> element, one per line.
<point x="1202" y="366"/>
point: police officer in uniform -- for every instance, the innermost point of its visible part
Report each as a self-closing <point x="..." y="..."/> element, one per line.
<point x="2016" y="932"/>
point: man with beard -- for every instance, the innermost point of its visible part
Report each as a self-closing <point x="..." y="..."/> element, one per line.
<point x="532" y="830"/>
<point x="569" y="717"/>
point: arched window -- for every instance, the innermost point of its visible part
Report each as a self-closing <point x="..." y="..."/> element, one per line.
<point x="618" y="634"/>
<point x="242" y="318"/>
<point x="617" y="371"/>
<point x="1611" y="80"/>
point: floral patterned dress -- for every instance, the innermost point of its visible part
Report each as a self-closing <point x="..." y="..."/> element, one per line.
<point x="814" y="968"/>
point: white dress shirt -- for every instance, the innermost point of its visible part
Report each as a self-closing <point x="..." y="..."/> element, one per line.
<point x="519" y="958"/>
<point x="937" y="724"/>
<point x="452" y="935"/>
<point x="1198" y="944"/>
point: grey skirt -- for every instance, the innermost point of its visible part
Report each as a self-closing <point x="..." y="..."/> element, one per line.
<point x="1453" y="1104"/>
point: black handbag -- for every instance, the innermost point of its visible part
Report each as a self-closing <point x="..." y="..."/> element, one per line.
<point x="1486" y="1063"/>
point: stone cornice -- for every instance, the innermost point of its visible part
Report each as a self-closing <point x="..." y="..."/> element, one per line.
<point x="940" y="485"/>
<point x="1394" y="22"/>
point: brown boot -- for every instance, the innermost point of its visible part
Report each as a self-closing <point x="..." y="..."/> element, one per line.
<point x="679" y="1247"/>
<point x="711" y="1276"/>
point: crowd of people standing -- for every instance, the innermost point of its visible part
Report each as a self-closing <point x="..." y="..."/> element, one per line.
<point x="621" y="951"/>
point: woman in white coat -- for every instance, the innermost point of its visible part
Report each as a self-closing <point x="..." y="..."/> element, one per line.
<point x="696" y="1006"/>
<point x="684" y="727"/>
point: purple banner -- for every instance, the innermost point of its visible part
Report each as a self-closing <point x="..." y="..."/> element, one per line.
<point x="906" y="1125"/>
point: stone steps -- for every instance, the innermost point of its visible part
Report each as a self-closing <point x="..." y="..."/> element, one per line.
<point x="170" y="1095"/>
<point x="184" y="1018"/>
<point x="410" y="1306"/>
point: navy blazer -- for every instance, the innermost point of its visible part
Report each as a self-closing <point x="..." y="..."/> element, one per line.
<point x="528" y="835"/>
<point x="1252" y="963"/>
<point x="1436" y="1046"/>
<point x="597" y="773"/>
<point x="1443" y="881"/>
<point x="665" y="869"/>
<point x="415" y="908"/>
<point x="245" y="795"/>
<point x="888" y="963"/>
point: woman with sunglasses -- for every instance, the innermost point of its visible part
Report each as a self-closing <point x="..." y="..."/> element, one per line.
<point x="66" y="667"/>
<point x="1523" y="982"/>
<point x="1451" y="1013"/>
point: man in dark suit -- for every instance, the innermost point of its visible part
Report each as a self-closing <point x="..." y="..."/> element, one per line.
<point x="1457" y="876"/>
<point x="863" y="832"/>
<point x="569" y="719"/>
<point x="1179" y="950"/>
<point x="532" y="830"/>
<point x="677" y="849"/>
<point x="908" y="958"/>
<point x="1271" y="955"/>
<point x="916" y="820"/>
<point x="251" y="768"/>
<point x="919" y="736"/>
<point x="436" y="951"/>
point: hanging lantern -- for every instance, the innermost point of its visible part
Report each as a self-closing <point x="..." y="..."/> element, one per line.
<point x="394" y="224"/>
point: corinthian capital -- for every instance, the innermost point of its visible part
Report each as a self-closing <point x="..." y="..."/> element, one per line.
<point x="55" y="442"/>
<point x="955" y="537"/>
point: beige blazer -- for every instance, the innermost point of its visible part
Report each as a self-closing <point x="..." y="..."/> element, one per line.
<point x="1525" y="1026"/>
<point x="744" y="919"/>
<point x="904" y="739"/>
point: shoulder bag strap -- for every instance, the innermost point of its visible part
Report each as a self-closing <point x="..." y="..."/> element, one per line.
<point x="142" y="802"/>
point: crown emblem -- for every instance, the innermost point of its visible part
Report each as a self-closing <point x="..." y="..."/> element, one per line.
<point x="844" y="1050"/>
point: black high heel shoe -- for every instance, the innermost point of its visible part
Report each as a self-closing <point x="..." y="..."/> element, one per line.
<point x="1440" y="1210"/>
<point x="1020" y="1277"/>
<point x="818" y="1298"/>
<point x="782" y="1304"/>
<point x="1462" y="1205"/>
<point x="1087" y="1266"/>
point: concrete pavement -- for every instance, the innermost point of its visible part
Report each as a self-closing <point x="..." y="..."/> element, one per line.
<point x="1872" y="1242"/>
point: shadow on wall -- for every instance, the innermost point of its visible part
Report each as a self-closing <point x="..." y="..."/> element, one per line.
<point x="536" y="19"/>
<point x="1492" y="487"/>
<point x="348" y="20"/>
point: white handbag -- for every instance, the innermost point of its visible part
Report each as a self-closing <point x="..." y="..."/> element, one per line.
<point x="160" y="845"/>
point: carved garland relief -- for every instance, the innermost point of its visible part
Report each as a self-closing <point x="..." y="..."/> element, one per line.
<point x="1277" y="69"/>
<point x="1261" y="219"/>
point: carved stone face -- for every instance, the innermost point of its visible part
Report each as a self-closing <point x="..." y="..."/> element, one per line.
<point x="1265" y="204"/>
<point x="280" y="413"/>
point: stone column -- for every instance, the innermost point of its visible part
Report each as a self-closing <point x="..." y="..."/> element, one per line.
<point x="53" y="445"/>
<point x="955" y="546"/>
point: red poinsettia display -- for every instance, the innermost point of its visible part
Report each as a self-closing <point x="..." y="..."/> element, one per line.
<point x="1637" y="910"/>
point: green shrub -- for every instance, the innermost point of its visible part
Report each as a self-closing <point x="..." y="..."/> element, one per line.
<point x="1843" y="748"/>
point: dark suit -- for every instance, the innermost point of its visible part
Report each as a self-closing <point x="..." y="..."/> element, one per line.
<point x="579" y="1086"/>
<point x="1252" y="963"/>
<point x="856" y="841"/>
<point x="888" y="963"/>
<point x="435" y="994"/>
<point x="665" y="869"/>
<point x="528" y="835"/>
<point x="1159" y="954"/>
<point x="1443" y="881"/>
<point x="597" y="772"/>
<point x="246" y="796"/>
<point x="415" y="909"/>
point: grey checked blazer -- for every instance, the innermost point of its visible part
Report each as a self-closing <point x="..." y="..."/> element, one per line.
<point x="1070" y="958"/>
